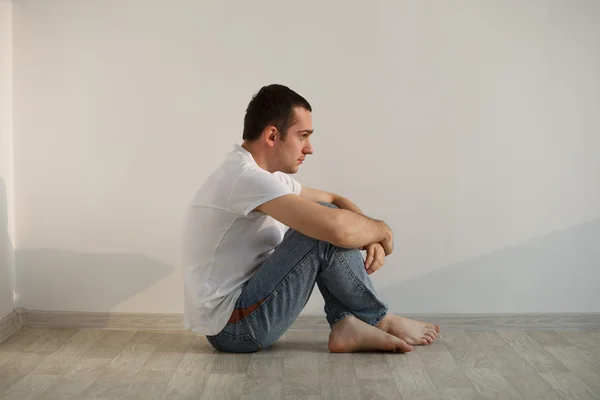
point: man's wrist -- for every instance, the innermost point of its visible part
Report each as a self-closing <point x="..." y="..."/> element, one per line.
<point x="345" y="204"/>
<point x="383" y="231"/>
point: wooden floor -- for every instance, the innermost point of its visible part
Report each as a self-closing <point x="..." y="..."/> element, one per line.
<point x="103" y="364"/>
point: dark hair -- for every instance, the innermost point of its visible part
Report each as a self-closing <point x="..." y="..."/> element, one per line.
<point x="272" y="105"/>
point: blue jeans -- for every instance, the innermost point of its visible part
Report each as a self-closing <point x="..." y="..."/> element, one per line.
<point x="274" y="297"/>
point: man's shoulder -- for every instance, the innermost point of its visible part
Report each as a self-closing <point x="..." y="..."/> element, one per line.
<point x="217" y="187"/>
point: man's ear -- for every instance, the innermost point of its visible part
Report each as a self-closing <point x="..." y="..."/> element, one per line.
<point x="271" y="135"/>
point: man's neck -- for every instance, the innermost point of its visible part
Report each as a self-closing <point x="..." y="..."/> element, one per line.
<point x="258" y="155"/>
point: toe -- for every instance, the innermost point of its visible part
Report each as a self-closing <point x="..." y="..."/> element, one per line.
<point x="402" y="346"/>
<point x="430" y="331"/>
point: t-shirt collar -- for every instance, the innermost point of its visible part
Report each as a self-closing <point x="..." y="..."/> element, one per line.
<point x="239" y="149"/>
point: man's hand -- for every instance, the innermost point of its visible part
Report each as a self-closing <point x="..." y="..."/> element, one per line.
<point x="388" y="241"/>
<point x="375" y="257"/>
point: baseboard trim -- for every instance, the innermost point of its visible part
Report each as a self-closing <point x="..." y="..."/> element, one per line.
<point x="131" y="321"/>
<point x="104" y="320"/>
<point x="545" y="321"/>
<point x="10" y="324"/>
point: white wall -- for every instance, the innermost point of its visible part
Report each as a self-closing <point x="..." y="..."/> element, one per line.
<point x="470" y="127"/>
<point x="6" y="219"/>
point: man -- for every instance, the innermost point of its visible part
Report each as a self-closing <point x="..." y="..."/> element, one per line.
<point x="248" y="277"/>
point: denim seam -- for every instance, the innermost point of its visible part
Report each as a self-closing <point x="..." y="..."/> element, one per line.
<point x="275" y="292"/>
<point x="374" y="299"/>
<point x="233" y="337"/>
<point x="329" y="311"/>
<point x="285" y="278"/>
<point x="335" y="253"/>
<point x="379" y="318"/>
<point x="341" y="317"/>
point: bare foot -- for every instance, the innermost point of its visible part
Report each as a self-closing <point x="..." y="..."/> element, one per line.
<point x="411" y="331"/>
<point x="351" y="335"/>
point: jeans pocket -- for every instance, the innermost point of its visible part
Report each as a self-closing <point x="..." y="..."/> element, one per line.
<point x="229" y="343"/>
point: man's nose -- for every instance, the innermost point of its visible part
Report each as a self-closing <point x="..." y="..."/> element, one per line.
<point x="309" y="149"/>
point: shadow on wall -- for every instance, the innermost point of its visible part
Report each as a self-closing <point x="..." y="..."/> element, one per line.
<point x="50" y="278"/>
<point x="559" y="272"/>
<point x="47" y="279"/>
<point x="6" y="256"/>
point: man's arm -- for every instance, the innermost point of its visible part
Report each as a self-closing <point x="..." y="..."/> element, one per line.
<point x="375" y="251"/>
<point x="340" y="227"/>
<point x="322" y="196"/>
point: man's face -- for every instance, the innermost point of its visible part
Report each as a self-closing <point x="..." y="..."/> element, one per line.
<point x="296" y="145"/>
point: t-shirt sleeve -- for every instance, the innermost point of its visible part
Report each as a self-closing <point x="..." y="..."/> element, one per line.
<point x="255" y="187"/>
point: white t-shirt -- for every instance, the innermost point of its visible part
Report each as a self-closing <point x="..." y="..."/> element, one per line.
<point x="224" y="241"/>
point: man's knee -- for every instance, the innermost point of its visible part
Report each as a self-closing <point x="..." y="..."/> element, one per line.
<point x="323" y="203"/>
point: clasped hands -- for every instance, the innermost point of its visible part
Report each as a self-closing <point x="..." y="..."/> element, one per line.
<point x="375" y="257"/>
<point x="376" y="253"/>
